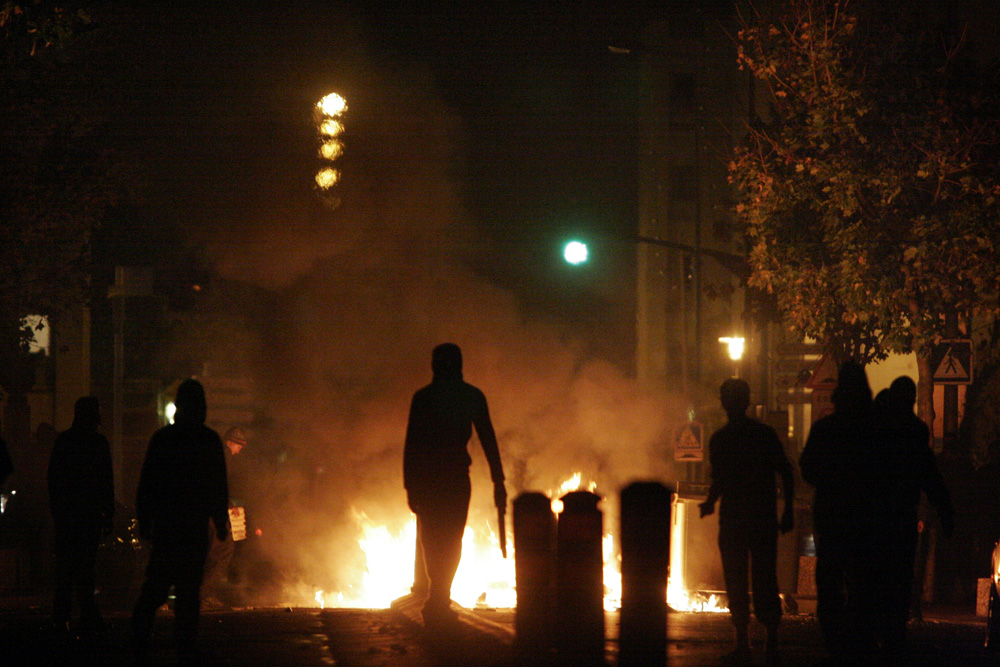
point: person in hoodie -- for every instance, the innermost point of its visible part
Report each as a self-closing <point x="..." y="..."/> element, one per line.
<point x="436" y="473"/>
<point x="182" y="485"/>
<point x="82" y="500"/>
<point x="843" y="459"/>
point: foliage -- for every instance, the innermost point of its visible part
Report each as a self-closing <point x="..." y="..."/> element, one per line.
<point x="869" y="192"/>
<point x="58" y="178"/>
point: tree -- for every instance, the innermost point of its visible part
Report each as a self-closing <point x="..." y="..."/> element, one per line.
<point x="58" y="177"/>
<point x="869" y="193"/>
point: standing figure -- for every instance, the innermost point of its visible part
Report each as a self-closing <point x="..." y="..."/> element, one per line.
<point x="436" y="472"/>
<point x="82" y="499"/>
<point x="746" y="457"/>
<point x="912" y="471"/>
<point x="843" y="461"/>
<point x="182" y="486"/>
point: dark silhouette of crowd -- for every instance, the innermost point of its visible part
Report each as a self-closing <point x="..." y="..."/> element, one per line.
<point x="869" y="462"/>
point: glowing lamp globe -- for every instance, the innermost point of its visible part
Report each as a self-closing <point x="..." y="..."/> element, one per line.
<point x="575" y="252"/>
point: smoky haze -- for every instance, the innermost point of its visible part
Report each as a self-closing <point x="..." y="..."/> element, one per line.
<point x="351" y="299"/>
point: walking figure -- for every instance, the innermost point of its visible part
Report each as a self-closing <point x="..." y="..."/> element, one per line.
<point x="82" y="500"/>
<point x="746" y="458"/>
<point x="436" y="474"/>
<point x="843" y="460"/>
<point x="182" y="486"/>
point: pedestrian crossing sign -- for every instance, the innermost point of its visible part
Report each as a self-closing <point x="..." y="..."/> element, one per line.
<point x="688" y="446"/>
<point x="951" y="361"/>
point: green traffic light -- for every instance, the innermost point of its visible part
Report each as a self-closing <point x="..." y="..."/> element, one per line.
<point x="575" y="252"/>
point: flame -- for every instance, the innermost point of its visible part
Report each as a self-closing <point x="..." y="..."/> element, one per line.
<point x="484" y="577"/>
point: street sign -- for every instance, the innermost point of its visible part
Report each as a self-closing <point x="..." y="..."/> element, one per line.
<point x="951" y="361"/>
<point x="825" y="375"/>
<point x="688" y="445"/>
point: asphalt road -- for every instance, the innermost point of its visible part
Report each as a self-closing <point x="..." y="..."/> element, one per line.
<point x="296" y="637"/>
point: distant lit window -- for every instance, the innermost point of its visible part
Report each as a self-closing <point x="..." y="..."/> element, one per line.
<point x="38" y="325"/>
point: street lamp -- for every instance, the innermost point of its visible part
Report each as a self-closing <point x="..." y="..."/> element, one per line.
<point x="735" y="346"/>
<point x="576" y="253"/>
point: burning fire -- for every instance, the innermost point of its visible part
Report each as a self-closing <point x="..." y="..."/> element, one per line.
<point x="484" y="577"/>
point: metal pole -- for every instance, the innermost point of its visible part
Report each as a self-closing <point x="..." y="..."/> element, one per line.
<point x="534" y="556"/>
<point x="645" y="543"/>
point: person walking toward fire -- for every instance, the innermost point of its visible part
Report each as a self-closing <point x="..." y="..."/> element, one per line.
<point x="82" y="500"/>
<point x="182" y="485"/>
<point x="436" y="473"/>
<point x="746" y="456"/>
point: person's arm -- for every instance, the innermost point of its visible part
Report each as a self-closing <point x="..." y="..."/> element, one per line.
<point x="412" y="468"/>
<point x="488" y="440"/>
<point x="715" y="472"/>
<point x="784" y="470"/>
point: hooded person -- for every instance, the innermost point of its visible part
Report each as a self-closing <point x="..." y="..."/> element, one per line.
<point x="182" y="486"/>
<point x="436" y="474"/>
<point x="82" y="500"/>
<point x="843" y="459"/>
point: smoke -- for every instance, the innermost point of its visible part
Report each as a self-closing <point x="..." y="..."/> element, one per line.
<point x="357" y="296"/>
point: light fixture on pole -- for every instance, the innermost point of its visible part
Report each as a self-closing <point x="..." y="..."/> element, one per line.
<point x="735" y="346"/>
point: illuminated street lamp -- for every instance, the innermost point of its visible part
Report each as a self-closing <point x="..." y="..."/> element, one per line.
<point x="575" y="253"/>
<point x="735" y="346"/>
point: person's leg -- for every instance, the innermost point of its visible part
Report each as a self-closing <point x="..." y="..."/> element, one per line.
<point x="156" y="587"/>
<point x="733" y="548"/>
<point x="831" y="598"/>
<point x="443" y="526"/>
<point x="86" y="579"/>
<point x="62" y="603"/>
<point x="187" y="605"/>
<point x="421" y="585"/>
<point x="764" y="568"/>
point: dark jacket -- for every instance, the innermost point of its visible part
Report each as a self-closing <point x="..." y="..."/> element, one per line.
<point x="80" y="478"/>
<point x="183" y="479"/>
<point x="746" y="456"/>
<point x="442" y="416"/>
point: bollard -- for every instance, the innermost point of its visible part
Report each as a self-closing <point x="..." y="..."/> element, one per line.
<point x="580" y="582"/>
<point x="534" y="564"/>
<point x="645" y="544"/>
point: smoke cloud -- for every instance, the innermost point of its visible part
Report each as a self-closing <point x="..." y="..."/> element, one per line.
<point x="344" y="307"/>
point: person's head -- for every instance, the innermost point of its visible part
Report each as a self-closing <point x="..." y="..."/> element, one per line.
<point x="87" y="413"/>
<point x="904" y="392"/>
<point x="853" y="391"/>
<point x="446" y="361"/>
<point x="190" y="402"/>
<point x="735" y="396"/>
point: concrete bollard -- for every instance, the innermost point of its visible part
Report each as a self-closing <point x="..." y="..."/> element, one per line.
<point x="645" y="545"/>
<point x="534" y="568"/>
<point x="580" y="581"/>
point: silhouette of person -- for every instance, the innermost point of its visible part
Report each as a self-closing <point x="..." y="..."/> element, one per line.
<point x="912" y="470"/>
<point x="82" y="500"/>
<point x="182" y="485"/>
<point x="840" y="460"/>
<point x="746" y="456"/>
<point x="436" y="472"/>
